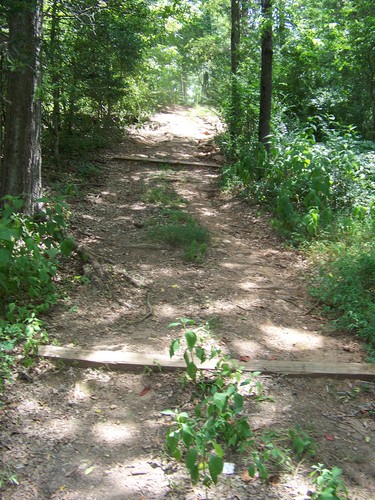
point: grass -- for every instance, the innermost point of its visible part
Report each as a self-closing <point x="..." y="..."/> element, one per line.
<point x="179" y="229"/>
<point x="163" y="195"/>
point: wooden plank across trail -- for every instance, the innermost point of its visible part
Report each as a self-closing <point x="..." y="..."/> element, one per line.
<point x="166" y="161"/>
<point x="132" y="361"/>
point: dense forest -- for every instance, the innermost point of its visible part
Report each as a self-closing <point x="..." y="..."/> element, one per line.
<point x="292" y="81"/>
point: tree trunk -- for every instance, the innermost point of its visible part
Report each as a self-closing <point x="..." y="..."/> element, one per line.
<point x="234" y="48"/>
<point x="55" y="80"/>
<point x="266" y="77"/>
<point x="21" y="168"/>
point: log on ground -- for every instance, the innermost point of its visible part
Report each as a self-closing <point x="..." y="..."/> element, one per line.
<point x="166" y="161"/>
<point x="132" y="361"/>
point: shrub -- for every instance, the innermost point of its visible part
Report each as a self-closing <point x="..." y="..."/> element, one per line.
<point x="29" y="253"/>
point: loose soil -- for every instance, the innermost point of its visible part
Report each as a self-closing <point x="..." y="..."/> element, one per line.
<point x="71" y="433"/>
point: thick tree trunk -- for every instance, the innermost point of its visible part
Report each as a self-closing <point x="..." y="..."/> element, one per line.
<point x="21" y="167"/>
<point x="266" y="77"/>
<point x="234" y="49"/>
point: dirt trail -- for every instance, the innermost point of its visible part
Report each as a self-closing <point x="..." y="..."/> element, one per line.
<point x="85" y="434"/>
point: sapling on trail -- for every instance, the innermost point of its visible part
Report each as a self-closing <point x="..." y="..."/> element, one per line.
<point x="218" y="425"/>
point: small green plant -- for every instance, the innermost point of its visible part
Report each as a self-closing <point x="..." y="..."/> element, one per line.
<point x="275" y="450"/>
<point x="329" y="483"/>
<point x="302" y="442"/>
<point x="218" y="423"/>
<point x="7" y="475"/>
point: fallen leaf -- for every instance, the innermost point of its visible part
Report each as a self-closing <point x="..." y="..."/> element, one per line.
<point x="245" y="358"/>
<point x="329" y="437"/>
<point x="246" y="478"/>
<point x="145" y="390"/>
<point x="89" y="470"/>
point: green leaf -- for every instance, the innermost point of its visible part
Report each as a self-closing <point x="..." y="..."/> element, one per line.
<point x="174" y="324"/>
<point x="187" y="435"/>
<point x="7" y="234"/>
<point x="219" y="450"/>
<point x="7" y="345"/>
<point x="298" y="445"/>
<point x="172" y="442"/>
<point x="238" y="401"/>
<point x="194" y="474"/>
<point x="174" y="347"/>
<point x="252" y="470"/>
<point x="201" y="354"/>
<point x="31" y="245"/>
<point x="168" y="412"/>
<point x="5" y="257"/>
<point x="220" y="400"/>
<point x="191" y="339"/>
<point x="67" y="246"/>
<point x="186" y="358"/>
<point x="215" y="466"/>
<point x="192" y="370"/>
<point x="191" y="458"/>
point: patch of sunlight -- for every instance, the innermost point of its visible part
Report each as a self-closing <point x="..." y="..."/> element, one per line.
<point x="207" y="212"/>
<point x="114" y="433"/>
<point x="29" y="406"/>
<point x="80" y="392"/>
<point x="254" y="285"/>
<point x="138" y="206"/>
<point x="123" y="217"/>
<point x="280" y="337"/>
<point x="62" y="428"/>
<point x="237" y="265"/>
<point x="247" y="347"/>
<point x="167" y="311"/>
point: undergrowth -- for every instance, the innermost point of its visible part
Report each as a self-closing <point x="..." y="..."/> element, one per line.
<point x="30" y="249"/>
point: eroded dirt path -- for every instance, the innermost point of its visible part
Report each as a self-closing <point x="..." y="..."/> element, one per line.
<point x="84" y="434"/>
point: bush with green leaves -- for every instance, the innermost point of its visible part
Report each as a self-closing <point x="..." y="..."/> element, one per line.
<point x="329" y="483"/>
<point x="30" y="248"/>
<point x="305" y="182"/>
<point x="219" y="425"/>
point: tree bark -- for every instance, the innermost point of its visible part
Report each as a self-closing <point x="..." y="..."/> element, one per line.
<point x="234" y="49"/>
<point x="266" y="77"/>
<point x="55" y="80"/>
<point x="21" y="167"/>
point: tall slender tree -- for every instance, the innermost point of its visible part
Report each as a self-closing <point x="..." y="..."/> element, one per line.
<point x="21" y="165"/>
<point x="266" y="76"/>
<point x="234" y="50"/>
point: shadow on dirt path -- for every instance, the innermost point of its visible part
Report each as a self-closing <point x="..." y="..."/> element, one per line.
<point x="86" y="434"/>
